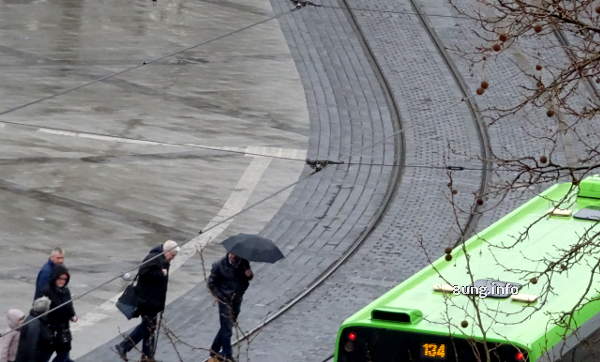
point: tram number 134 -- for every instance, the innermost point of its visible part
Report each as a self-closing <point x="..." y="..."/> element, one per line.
<point x="433" y="350"/>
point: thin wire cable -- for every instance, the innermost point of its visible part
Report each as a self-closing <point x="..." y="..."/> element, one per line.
<point x="143" y="64"/>
<point x="111" y="75"/>
<point x="116" y="277"/>
<point x="383" y="11"/>
<point x="433" y="167"/>
<point x="147" y="140"/>
<point x="454" y="167"/>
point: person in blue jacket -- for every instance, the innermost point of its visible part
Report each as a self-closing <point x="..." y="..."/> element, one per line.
<point x="57" y="257"/>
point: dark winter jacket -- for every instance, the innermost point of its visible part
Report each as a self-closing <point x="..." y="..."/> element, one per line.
<point x="152" y="283"/>
<point x="43" y="278"/>
<point x="60" y="318"/>
<point x="228" y="282"/>
<point x="35" y="341"/>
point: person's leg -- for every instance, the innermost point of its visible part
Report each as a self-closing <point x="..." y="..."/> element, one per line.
<point x="236" y="309"/>
<point x="227" y="319"/>
<point x="134" y="337"/>
<point x="62" y="353"/>
<point x="45" y="354"/>
<point x="149" y="335"/>
<point x="62" y="356"/>
<point x="62" y="345"/>
<point x="215" y="347"/>
<point x="218" y="342"/>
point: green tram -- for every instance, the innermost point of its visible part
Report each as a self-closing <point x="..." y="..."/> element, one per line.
<point x="430" y="318"/>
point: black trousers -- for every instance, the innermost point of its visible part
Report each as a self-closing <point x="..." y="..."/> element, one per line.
<point x="145" y="331"/>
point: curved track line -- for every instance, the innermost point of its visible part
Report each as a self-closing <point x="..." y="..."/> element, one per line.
<point x="479" y="125"/>
<point x="389" y="196"/>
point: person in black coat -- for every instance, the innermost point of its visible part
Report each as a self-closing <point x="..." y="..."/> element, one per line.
<point x="35" y="341"/>
<point x="151" y="292"/>
<point x="229" y="278"/>
<point x="59" y="320"/>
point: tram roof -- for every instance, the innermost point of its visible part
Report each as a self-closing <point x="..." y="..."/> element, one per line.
<point x="505" y="319"/>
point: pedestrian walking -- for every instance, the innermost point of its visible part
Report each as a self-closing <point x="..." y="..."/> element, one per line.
<point x="151" y="291"/>
<point x="9" y="342"/>
<point x="57" y="257"/>
<point x="229" y="278"/>
<point x="59" y="320"/>
<point x="35" y="340"/>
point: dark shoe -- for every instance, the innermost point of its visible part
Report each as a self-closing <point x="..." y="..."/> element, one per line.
<point x="215" y="357"/>
<point x="218" y="358"/>
<point x="121" y="352"/>
<point x="147" y="359"/>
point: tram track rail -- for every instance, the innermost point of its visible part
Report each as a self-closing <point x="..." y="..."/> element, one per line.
<point x="399" y="161"/>
<point x="485" y="148"/>
<point x="486" y="151"/>
<point x="479" y="124"/>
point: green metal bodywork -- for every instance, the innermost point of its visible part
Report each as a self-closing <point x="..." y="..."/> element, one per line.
<point x="506" y="321"/>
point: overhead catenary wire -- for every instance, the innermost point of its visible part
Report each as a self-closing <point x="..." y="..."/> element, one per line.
<point x="65" y="131"/>
<point x="142" y="64"/>
<point x="190" y="145"/>
<point x="304" y="3"/>
<point x="149" y="141"/>
<point x="386" y="11"/>
<point x="120" y="275"/>
<point x="154" y="60"/>
<point x="114" y="74"/>
<point x="453" y="167"/>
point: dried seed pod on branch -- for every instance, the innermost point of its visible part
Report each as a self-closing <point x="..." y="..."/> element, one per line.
<point x="572" y="27"/>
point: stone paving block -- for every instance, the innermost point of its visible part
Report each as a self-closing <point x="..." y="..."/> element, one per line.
<point x="335" y="131"/>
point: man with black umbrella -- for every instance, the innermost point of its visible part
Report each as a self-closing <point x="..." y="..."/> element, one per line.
<point x="229" y="278"/>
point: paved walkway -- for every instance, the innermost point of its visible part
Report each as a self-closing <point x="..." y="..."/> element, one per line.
<point x="349" y="109"/>
<point x="108" y="200"/>
<point x="325" y="214"/>
<point x="433" y="118"/>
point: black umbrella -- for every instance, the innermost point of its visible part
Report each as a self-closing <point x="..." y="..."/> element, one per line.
<point x="253" y="248"/>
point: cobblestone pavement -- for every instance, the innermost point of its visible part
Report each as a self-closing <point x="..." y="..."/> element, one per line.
<point x="438" y="130"/>
<point x="326" y="213"/>
<point x="420" y="208"/>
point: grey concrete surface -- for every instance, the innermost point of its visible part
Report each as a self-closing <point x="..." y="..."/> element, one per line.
<point x="325" y="214"/>
<point x="107" y="201"/>
<point x="319" y="220"/>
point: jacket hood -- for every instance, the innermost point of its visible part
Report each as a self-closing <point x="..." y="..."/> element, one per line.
<point x="58" y="271"/>
<point x="13" y="316"/>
